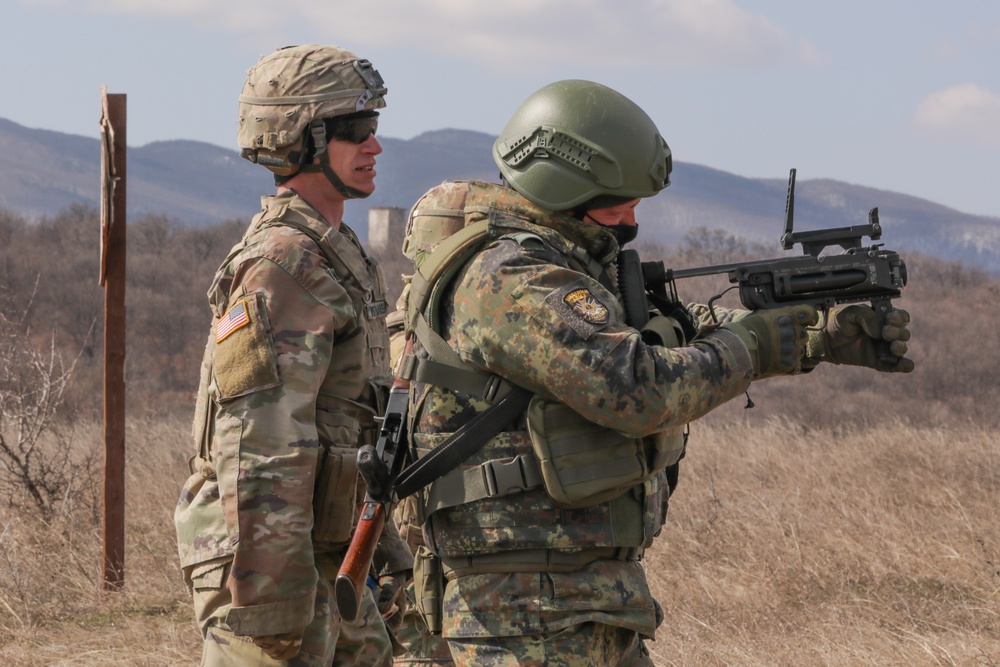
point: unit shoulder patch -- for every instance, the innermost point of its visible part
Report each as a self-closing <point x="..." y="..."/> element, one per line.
<point x="585" y="304"/>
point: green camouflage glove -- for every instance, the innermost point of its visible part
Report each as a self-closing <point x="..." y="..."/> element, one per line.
<point x="284" y="646"/>
<point x="776" y="338"/>
<point x="849" y="338"/>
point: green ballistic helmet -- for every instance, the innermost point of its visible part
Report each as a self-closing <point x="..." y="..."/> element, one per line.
<point x="290" y="91"/>
<point x="575" y="140"/>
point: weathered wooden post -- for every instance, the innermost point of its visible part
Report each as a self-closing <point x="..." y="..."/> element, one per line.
<point x="113" y="279"/>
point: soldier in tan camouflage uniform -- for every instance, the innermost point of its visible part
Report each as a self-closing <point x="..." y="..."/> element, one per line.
<point x="294" y="374"/>
<point x="533" y="543"/>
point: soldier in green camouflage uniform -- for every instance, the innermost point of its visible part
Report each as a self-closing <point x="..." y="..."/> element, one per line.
<point x="294" y="374"/>
<point x="533" y="543"/>
<point x="423" y="649"/>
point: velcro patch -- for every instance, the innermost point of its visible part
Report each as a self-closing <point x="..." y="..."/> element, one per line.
<point x="585" y="304"/>
<point x="234" y="318"/>
<point x="245" y="359"/>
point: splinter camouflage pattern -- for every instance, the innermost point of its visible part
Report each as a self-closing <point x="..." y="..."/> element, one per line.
<point x="293" y="376"/>
<point x="538" y="306"/>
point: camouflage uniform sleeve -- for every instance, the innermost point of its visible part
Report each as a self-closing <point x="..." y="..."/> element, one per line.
<point x="525" y="316"/>
<point x="266" y="467"/>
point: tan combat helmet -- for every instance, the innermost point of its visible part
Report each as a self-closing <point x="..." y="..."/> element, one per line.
<point x="290" y="93"/>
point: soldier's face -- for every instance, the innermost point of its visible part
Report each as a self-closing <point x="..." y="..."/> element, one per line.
<point x="619" y="214"/>
<point x="354" y="163"/>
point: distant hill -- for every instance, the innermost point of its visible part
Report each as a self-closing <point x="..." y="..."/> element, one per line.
<point x="196" y="183"/>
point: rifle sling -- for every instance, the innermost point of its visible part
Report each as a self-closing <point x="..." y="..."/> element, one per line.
<point x="463" y="443"/>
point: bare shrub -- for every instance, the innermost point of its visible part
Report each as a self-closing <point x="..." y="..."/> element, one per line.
<point x="52" y="607"/>
<point x="37" y="471"/>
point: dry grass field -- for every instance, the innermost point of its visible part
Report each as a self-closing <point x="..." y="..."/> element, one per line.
<point x="861" y="546"/>
<point x="785" y="546"/>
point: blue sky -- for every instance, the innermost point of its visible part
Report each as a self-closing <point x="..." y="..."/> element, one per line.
<point x="895" y="95"/>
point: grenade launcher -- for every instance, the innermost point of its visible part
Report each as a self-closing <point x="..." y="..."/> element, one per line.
<point x="857" y="274"/>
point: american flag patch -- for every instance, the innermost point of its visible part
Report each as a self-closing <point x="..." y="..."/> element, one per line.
<point x="231" y="321"/>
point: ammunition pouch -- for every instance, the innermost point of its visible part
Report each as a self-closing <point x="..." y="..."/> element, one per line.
<point x="335" y="495"/>
<point x="662" y="330"/>
<point x="428" y="588"/>
<point x="583" y="464"/>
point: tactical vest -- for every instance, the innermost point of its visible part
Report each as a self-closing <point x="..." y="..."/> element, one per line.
<point x="555" y="492"/>
<point x="349" y="399"/>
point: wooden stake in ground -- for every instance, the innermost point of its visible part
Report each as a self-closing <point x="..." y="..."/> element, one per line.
<point x="113" y="279"/>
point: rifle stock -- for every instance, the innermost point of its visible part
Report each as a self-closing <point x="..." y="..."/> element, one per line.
<point x="358" y="560"/>
<point x="379" y="466"/>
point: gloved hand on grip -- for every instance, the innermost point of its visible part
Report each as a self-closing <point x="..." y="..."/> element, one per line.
<point x="390" y="598"/>
<point x="775" y="338"/>
<point x="850" y="336"/>
<point x="284" y="646"/>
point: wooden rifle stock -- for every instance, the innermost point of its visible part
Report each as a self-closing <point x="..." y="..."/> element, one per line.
<point x="379" y="467"/>
<point x="353" y="572"/>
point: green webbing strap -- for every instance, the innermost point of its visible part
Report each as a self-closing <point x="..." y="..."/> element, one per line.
<point x="440" y="265"/>
<point x="435" y="345"/>
<point x="467" y="381"/>
<point x="499" y="477"/>
<point x="593" y="267"/>
<point x="594" y="471"/>
<point x="446" y="369"/>
<point x="626" y="520"/>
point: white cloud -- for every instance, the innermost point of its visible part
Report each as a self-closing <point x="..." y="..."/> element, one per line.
<point x="967" y="111"/>
<point x="668" y="33"/>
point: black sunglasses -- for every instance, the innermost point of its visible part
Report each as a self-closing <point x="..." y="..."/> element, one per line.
<point x="355" y="128"/>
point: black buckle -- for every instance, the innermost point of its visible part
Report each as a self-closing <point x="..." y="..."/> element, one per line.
<point x="504" y="477"/>
<point x="493" y="385"/>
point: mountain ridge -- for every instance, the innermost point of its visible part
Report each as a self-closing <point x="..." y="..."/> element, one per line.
<point x="196" y="183"/>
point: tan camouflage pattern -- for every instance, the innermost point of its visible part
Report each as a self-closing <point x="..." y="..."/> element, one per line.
<point x="327" y="640"/>
<point x="290" y="87"/>
<point x="269" y="422"/>
<point x="515" y="311"/>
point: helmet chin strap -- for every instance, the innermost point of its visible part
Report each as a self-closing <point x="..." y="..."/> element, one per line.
<point x="318" y="132"/>
<point x="336" y="182"/>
